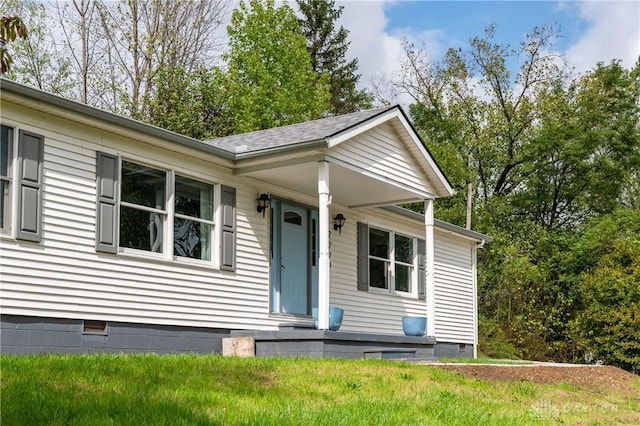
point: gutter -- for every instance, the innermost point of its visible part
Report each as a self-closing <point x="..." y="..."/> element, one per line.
<point x="480" y="238"/>
<point x="127" y="123"/>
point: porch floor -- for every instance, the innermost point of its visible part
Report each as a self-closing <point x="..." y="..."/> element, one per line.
<point x="292" y="341"/>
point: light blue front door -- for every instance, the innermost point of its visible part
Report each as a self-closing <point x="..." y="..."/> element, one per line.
<point x="293" y="258"/>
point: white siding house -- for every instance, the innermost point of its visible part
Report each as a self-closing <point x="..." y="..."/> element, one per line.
<point x="119" y="236"/>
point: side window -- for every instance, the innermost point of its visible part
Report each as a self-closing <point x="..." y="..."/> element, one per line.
<point x="6" y="139"/>
<point x="193" y="223"/>
<point x="404" y="259"/>
<point x="143" y="209"/>
<point x="388" y="261"/>
<point x="379" y="260"/>
<point x="132" y="213"/>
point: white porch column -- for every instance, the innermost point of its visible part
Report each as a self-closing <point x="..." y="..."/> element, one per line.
<point x="323" y="231"/>
<point x="429" y="266"/>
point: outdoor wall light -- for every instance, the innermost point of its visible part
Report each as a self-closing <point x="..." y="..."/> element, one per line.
<point x="338" y="222"/>
<point x="263" y="203"/>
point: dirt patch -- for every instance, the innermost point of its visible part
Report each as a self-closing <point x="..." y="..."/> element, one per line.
<point x="596" y="379"/>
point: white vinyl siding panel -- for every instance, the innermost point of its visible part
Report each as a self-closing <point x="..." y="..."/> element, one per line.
<point x="380" y="151"/>
<point x="368" y="311"/>
<point x="64" y="277"/>
<point x="454" y="289"/>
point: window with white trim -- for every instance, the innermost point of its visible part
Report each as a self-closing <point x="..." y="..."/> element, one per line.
<point x="193" y="222"/>
<point x="141" y="208"/>
<point x="6" y="152"/>
<point x="391" y="261"/>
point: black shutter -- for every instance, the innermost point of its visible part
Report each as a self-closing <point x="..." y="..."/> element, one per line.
<point x="228" y="226"/>
<point x="422" y="254"/>
<point x="107" y="209"/>
<point x="363" y="256"/>
<point x="30" y="184"/>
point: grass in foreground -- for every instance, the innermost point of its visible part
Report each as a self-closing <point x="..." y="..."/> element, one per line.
<point x="212" y="390"/>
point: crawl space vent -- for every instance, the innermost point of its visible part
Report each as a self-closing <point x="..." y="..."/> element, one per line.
<point x="94" y="327"/>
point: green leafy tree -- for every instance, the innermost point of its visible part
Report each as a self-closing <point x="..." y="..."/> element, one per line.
<point x="328" y="48"/>
<point x="585" y="149"/>
<point x="11" y="27"/>
<point x="609" y="256"/>
<point x="191" y="103"/>
<point x="270" y="80"/>
<point x="37" y="61"/>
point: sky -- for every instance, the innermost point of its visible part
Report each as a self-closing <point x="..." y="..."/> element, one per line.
<point x="591" y="31"/>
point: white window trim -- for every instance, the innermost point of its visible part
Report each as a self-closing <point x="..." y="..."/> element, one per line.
<point x="170" y="215"/>
<point x="11" y="212"/>
<point x="391" y="264"/>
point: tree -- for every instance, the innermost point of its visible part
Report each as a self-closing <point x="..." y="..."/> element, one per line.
<point x="143" y="37"/>
<point x="328" y="48"/>
<point x="270" y="80"/>
<point x="609" y="257"/>
<point x="191" y="103"/>
<point x="585" y="149"/>
<point x="37" y="59"/>
<point x="11" y="27"/>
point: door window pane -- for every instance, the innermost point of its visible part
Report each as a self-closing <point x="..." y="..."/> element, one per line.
<point x="293" y="218"/>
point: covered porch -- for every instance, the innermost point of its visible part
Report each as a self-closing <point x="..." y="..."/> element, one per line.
<point x="351" y="170"/>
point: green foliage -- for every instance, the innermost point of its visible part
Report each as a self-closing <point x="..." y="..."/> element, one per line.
<point x="191" y="103"/>
<point x="328" y="48"/>
<point x="213" y="390"/>
<point x="609" y="257"/>
<point x="270" y="81"/>
<point x="586" y="147"/>
<point x="538" y="154"/>
<point x="11" y="27"/>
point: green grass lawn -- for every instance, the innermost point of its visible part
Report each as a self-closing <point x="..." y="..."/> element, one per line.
<point x="212" y="390"/>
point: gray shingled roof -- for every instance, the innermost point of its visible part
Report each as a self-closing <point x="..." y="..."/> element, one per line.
<point x="295" y="134"/>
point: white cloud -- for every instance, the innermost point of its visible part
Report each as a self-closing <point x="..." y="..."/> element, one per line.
<point x="379" y="51"/>
<point x="613" y="33"/>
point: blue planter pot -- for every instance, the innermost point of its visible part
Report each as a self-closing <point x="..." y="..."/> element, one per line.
<point x="414" y="326"/>
<point x="335" y="317"/>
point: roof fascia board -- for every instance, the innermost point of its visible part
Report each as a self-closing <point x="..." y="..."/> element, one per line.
<point x="440" y="224"/>
<point x="426" y="154"/>
<point x="362" y="127"/>
<point x="39" y="96"/>
<point x="268" y="153"/>
<point x="386" y="203"/>
<point x="277" y="164"/>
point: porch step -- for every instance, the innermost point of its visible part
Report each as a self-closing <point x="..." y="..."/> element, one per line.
<point x="389" y="353"/>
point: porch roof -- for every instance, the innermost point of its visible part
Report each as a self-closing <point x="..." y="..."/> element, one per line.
<point x="287" y="156"/>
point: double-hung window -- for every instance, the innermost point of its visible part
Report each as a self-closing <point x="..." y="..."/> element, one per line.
<point x="391" y="261"/>
<point x="143" y="207"/>
<point x="193" y="222"/>
<point x="161" y="212"/>
<point x="6" y="138"/>
<point x="144" y="215"/>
